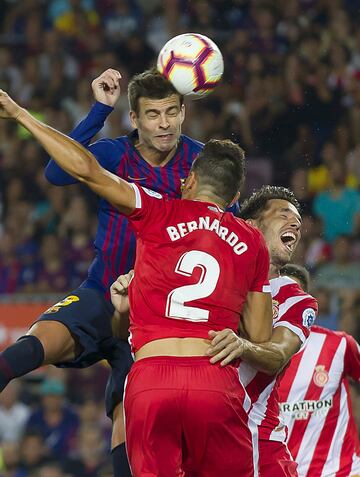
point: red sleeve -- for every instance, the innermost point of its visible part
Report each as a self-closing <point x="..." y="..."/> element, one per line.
<point x="148" y="208"/>
<point x="352" y="358"/>
<point x="298" y="314"/>
<point x="261" y="277"/>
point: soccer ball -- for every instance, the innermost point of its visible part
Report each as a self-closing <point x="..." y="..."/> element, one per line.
<point x="193" y="64"/>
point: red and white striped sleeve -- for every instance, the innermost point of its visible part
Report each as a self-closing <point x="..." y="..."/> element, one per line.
<point x="352" y="358"/>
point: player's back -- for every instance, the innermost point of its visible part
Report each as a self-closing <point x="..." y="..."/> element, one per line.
<point x="195" y="265"/>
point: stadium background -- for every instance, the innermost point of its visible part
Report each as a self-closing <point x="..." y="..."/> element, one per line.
<point x="290" y="96"/>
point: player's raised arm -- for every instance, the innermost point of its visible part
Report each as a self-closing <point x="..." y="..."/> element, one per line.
<point x="72" y="157"/>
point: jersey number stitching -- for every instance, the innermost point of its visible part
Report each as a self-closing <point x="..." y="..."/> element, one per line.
<point x="210" y="272"/>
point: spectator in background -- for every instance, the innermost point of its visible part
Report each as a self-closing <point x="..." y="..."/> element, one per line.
<point x="341" y="273"/>
<point x="13" y="414"/>
<point x="328" y="314"/>
<point x="33" y="452"/>
<point x="90" y="453"/>
<point x="55" y="420"/>
<point x="339" y="206"/>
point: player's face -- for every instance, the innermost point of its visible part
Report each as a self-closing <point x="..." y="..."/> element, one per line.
<point x="280" y="224"/>
<point x="159" y="122"/>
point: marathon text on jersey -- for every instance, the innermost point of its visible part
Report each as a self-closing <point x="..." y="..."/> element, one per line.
<point x="204" y="223"/>
<point x="302" y="409"/>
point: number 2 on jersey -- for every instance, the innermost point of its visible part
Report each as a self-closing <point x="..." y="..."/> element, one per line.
<point x="210" y="272"/>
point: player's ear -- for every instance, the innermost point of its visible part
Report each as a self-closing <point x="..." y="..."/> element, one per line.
<point x="182" y="113"/>
<point x="190" y="181"/>
<point x="252" y="222"/>
<point x="235" y="199"/>
<point x="133" y="120"/>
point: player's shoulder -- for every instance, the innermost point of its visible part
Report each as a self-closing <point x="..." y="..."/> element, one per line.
<point x="194" y="145"/>
<point x="120" y="142"/>
<point x="330" y="334"/>
<point x="288" y="287"/>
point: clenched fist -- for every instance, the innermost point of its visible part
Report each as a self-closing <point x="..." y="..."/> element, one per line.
<point x="106" y="87"/>
<point x="8" y="107"/>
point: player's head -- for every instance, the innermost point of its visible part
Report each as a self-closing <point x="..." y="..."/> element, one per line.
<point x="298" y="273"/>
<point x="156" y="110"/>
<point x="276" y="212"/>
<point x="217" y="172"/>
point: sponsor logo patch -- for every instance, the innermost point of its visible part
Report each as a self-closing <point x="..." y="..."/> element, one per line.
<point x="65" y="302"/>
<point x="308" y="317"/>
<point x="152" y="193"/>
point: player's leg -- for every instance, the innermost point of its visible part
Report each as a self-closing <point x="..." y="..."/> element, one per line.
<point x="46" y="342"/>
<point x="120" y="461"/>
<point x="153" y="420"/>
<point x="118" y="354"/>
<point x="275" y="459"/>
<point x="66" y="333"/>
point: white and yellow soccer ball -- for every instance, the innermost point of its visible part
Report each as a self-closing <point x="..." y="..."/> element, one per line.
<point x="193" y="63"/>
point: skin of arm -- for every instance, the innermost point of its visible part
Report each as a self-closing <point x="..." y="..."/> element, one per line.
<point x="73" y="158"/>
<point x="120" y="300"/>
<point x="269" y="357"/>
<point x="257" y="305"/>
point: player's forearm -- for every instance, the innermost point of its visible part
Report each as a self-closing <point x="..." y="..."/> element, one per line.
<point x="269" y="357"/>
<point x="68" y="154"/>
<point x="120" y="325"/>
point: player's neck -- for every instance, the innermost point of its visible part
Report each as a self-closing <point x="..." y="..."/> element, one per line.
<point x="213" y="199"/>
<point x="154" y="157"/>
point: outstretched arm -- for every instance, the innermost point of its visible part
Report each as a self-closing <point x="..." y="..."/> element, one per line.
<point x="106" y="91"/>
<point x="72" y="157"/>
<point x="269" y="357"/>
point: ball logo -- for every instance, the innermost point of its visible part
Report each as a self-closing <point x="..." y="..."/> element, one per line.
<point x="152" y="193"/>
<point x="321" y="376"/>
<point x="308" y="317"/>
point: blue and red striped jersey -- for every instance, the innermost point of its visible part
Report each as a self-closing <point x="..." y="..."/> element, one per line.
<point x="115" y="240"/>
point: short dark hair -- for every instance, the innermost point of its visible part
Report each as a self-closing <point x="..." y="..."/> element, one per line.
<point x="150" y="84"/>
<point x="252" y="207"/>
<point x="297" y="271"/>
<point x="221" y="165"/>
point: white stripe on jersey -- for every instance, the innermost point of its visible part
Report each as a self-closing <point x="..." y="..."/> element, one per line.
<point x="316" y="422"/>
<point x="277" y="283"/>
<point x="293" y="328"/>
<point x="284" y="307"/>
<point x="333" y="459"/>
<point x="306" y="368"/>
<point x="138" y="203"/>
<point x="355" y="468"/>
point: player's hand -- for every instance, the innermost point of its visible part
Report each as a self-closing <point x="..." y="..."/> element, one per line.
<point x="106" y="87"/>
<point x="225" y="346"/>
<point x="119" y="292"/>
<point x="8" y="107"/>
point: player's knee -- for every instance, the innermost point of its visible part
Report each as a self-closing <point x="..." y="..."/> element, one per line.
<point x="57" y="341"/>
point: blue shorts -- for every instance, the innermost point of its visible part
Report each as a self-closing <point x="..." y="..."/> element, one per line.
<point x="87" y="315"/>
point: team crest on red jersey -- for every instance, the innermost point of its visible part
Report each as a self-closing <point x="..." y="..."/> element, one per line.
<point x="321" y="376"/>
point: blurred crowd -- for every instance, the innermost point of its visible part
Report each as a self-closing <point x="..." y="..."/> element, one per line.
<point x="290" y="96"/>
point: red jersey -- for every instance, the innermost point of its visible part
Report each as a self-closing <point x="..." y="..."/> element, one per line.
<point x="194" y="266"/>
<point x="293" y="309"/>
<point x="315" y="402"/>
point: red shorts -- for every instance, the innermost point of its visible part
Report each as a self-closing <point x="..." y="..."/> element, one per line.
<point x="186" y="413"/>
<point x="275" y="460"/>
